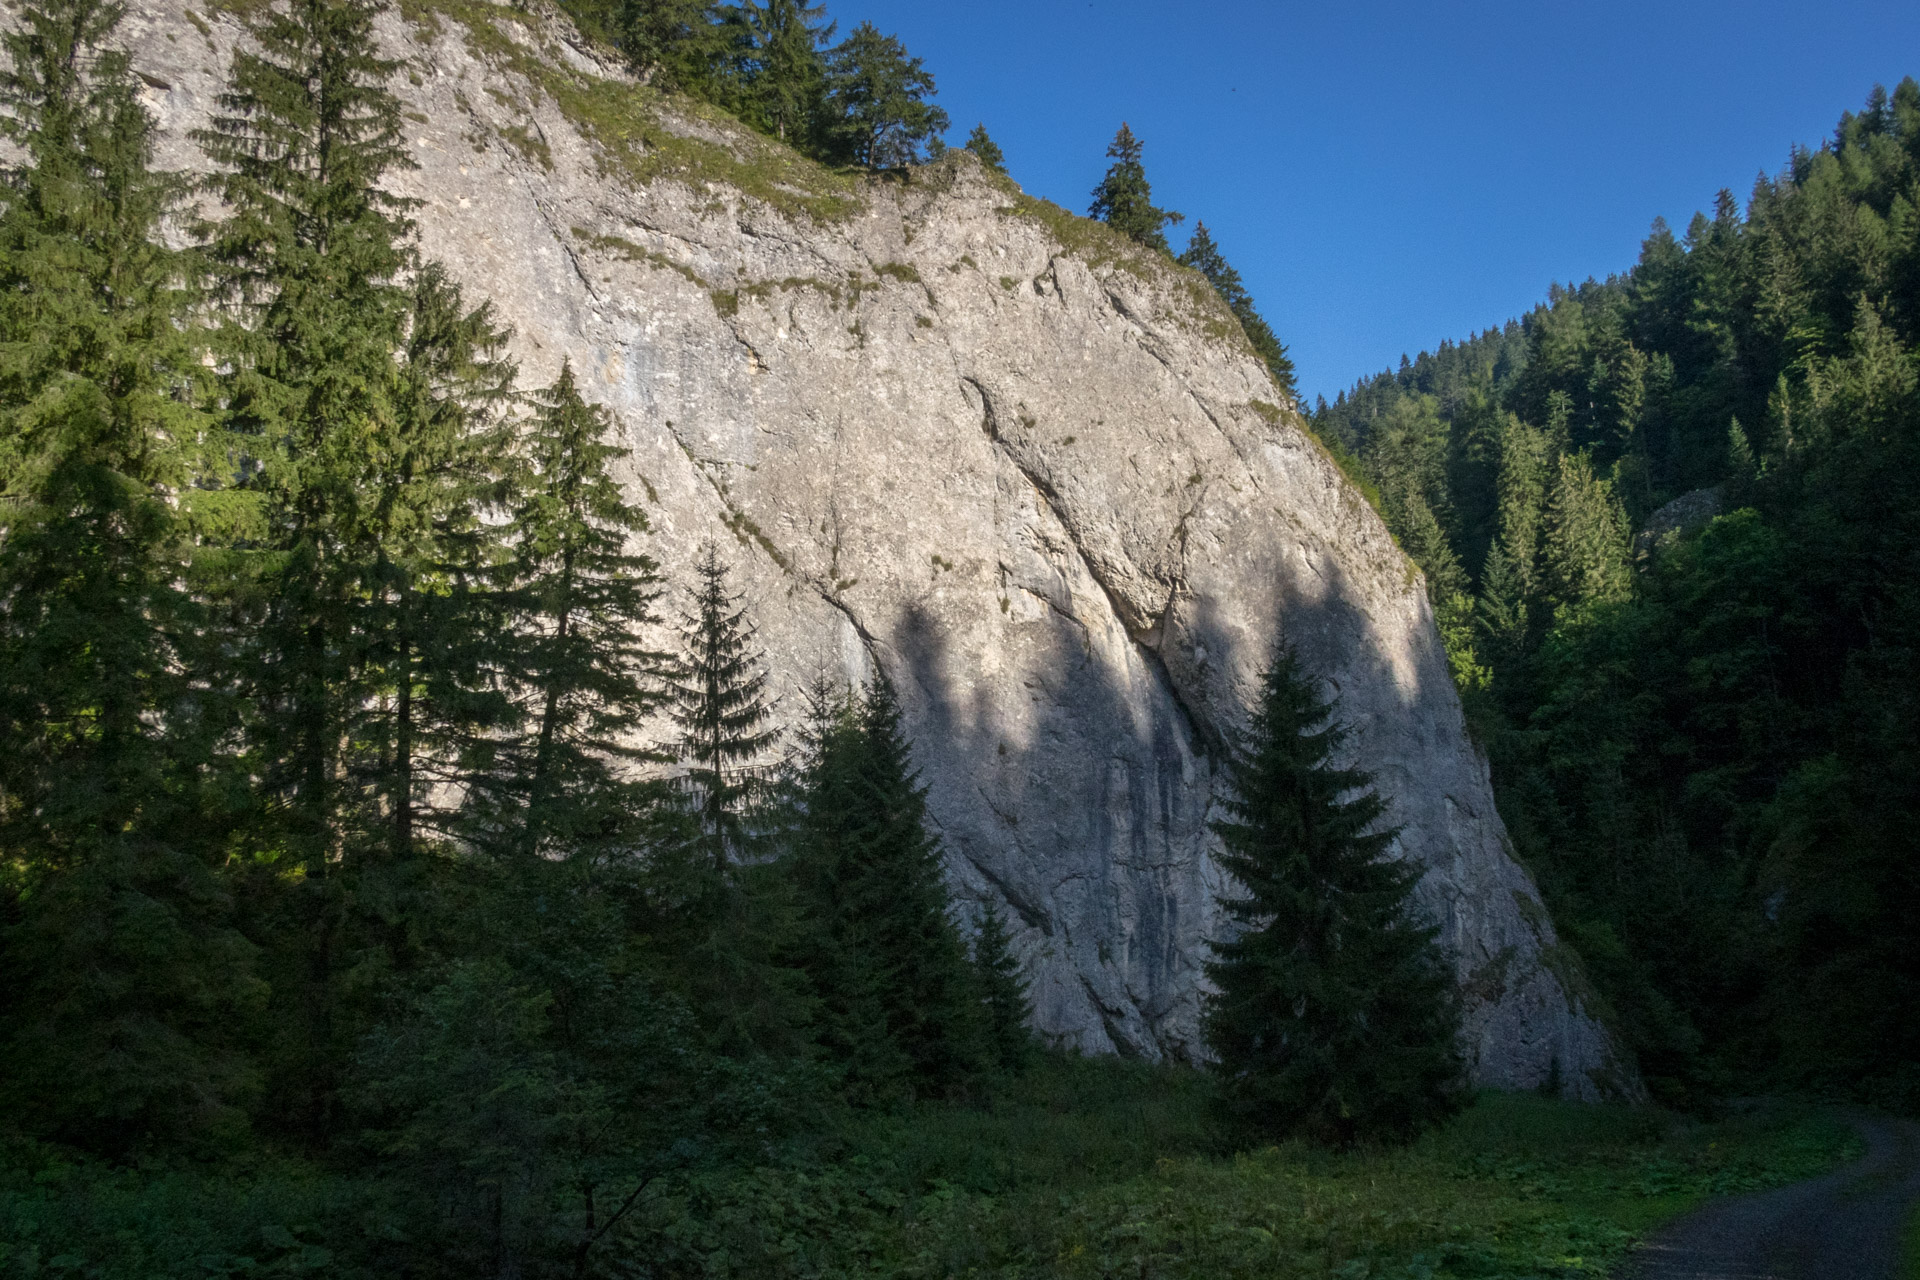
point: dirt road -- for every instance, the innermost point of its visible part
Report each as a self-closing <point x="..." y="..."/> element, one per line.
<point x="1845" y="1226"/>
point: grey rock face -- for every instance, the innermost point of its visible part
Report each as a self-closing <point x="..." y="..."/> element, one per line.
<point x="1032" y="473"/>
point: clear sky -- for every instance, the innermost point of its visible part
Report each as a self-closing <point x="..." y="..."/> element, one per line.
<point x="1387" y="175"/>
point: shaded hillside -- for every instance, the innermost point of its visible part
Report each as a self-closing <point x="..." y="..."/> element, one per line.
<point x="1702" y="740"/>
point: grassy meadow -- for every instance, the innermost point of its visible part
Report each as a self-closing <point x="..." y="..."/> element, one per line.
<point x="1082" y="1168"/>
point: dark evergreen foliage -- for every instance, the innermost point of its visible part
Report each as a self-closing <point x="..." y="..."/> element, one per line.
<point x="1204" y="256"/>
<point x="720" y="703"/>
<point x="311" y="260"/>
<point x="362" y="398"/>
<point x="1124" y="199"/>
<point x="1336" y="1016"/>
<point x="581" y="598"/>
<point x="127" y="985"/>
<point x="1689" y="731"/>
<point x="896" y="994"/>
<point x="1005" y="998"/>
<point x="986" y="149"/>
<point x="676" y="44"/>
<point x="777" y="69"/>
<point x="877" y="97"/>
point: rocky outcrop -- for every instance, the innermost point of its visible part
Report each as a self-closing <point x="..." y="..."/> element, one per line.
<point x="1032" y="473"/>
<point x="1690" y="511"/>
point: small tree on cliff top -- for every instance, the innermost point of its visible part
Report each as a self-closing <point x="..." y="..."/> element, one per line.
<point x="1124" y="200"/>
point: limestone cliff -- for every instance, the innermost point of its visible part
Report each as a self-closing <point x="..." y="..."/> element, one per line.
<point x="1032" y="472"/>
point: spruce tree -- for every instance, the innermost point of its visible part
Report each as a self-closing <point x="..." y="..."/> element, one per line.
<point x="311" y="260"/>
<point x="1335" y="1016"/>
<point x="362" y="398"/>
<point x="986" y="149"/>
<point x="1006" y="1006"/>
<point x="1204" y="256"/>
<point x="719" y="701"/>
<point x="1525" y="462"/>
<point x="431" y="652"/>
<point x="777" y="69"/>
<point x="1124" y="199"/>
<point x="886" y="961"/>
<point x="126" y="982"/>
<point x="583" y="600"/>
<point x="877" y="98"/>
<point x="676" y="44"/>
<point x="1587" y="538"/>
<point x="833" y="943"/>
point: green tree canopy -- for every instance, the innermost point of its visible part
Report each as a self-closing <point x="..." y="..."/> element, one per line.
<point x="677" y="44"/>
<point x="719" y="702"/>
<point x="127" y="986"/>
<point x="986" y="149"/>
<point x="1005" y="994"/>
<point x="877" y="98"/>
<point x="582" y="598"/>
<point x="776" y="68"/>
<point x="1335" y="1015"/>
<point x="1124" y="199"/>
<point x="898" y="1002"/>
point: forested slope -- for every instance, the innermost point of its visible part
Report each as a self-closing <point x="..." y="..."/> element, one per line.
<point x="1704" y="737"/>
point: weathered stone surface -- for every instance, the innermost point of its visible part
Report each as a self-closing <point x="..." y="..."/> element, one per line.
<point x="1034" y="475"/>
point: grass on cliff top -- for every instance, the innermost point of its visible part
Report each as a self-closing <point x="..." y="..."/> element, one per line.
<point x="628" y="123"/>
<point x="1083" y="1168"/>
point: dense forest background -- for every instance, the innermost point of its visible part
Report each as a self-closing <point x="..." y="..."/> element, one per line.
<point x="1669" y="524"/>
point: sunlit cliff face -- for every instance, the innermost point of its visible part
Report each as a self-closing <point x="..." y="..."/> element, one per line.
<point x="1031" y="472"/>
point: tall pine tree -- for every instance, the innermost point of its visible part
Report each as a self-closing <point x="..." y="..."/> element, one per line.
<point x="720" y="704"/>
<point x="311" y="261"/>
<point x="362" y="399"/>
<point x="1335" y="1016"/>
<point x="584" y="598"/>
<point x="1005" y="994"/>
<point x="126" y="983"/>
<point x="898" y="1007"/>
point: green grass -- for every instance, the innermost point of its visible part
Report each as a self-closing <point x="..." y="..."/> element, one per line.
<point x="1910" y="1248"/>
<point x="635" y="129"/>
<point x="1102" y="1169"/>
<point x="1083" y="1168"/>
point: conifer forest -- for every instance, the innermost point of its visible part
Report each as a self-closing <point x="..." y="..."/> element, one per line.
<point x="406" y="869"/>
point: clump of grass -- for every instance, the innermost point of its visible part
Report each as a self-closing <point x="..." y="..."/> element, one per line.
<point x="745" y="529"/>
<point x="529" y="144"/>
<point x="727" y="301"/>
<point x="621" y="247"/>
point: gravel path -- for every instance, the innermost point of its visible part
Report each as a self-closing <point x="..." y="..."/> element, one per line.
<point x="1845" y="1226"/>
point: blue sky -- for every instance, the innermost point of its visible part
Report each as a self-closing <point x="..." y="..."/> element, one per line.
<point x="1388" y="175"/>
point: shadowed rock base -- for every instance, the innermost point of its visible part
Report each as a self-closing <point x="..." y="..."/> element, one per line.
<point x="1845" y="1226"/>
